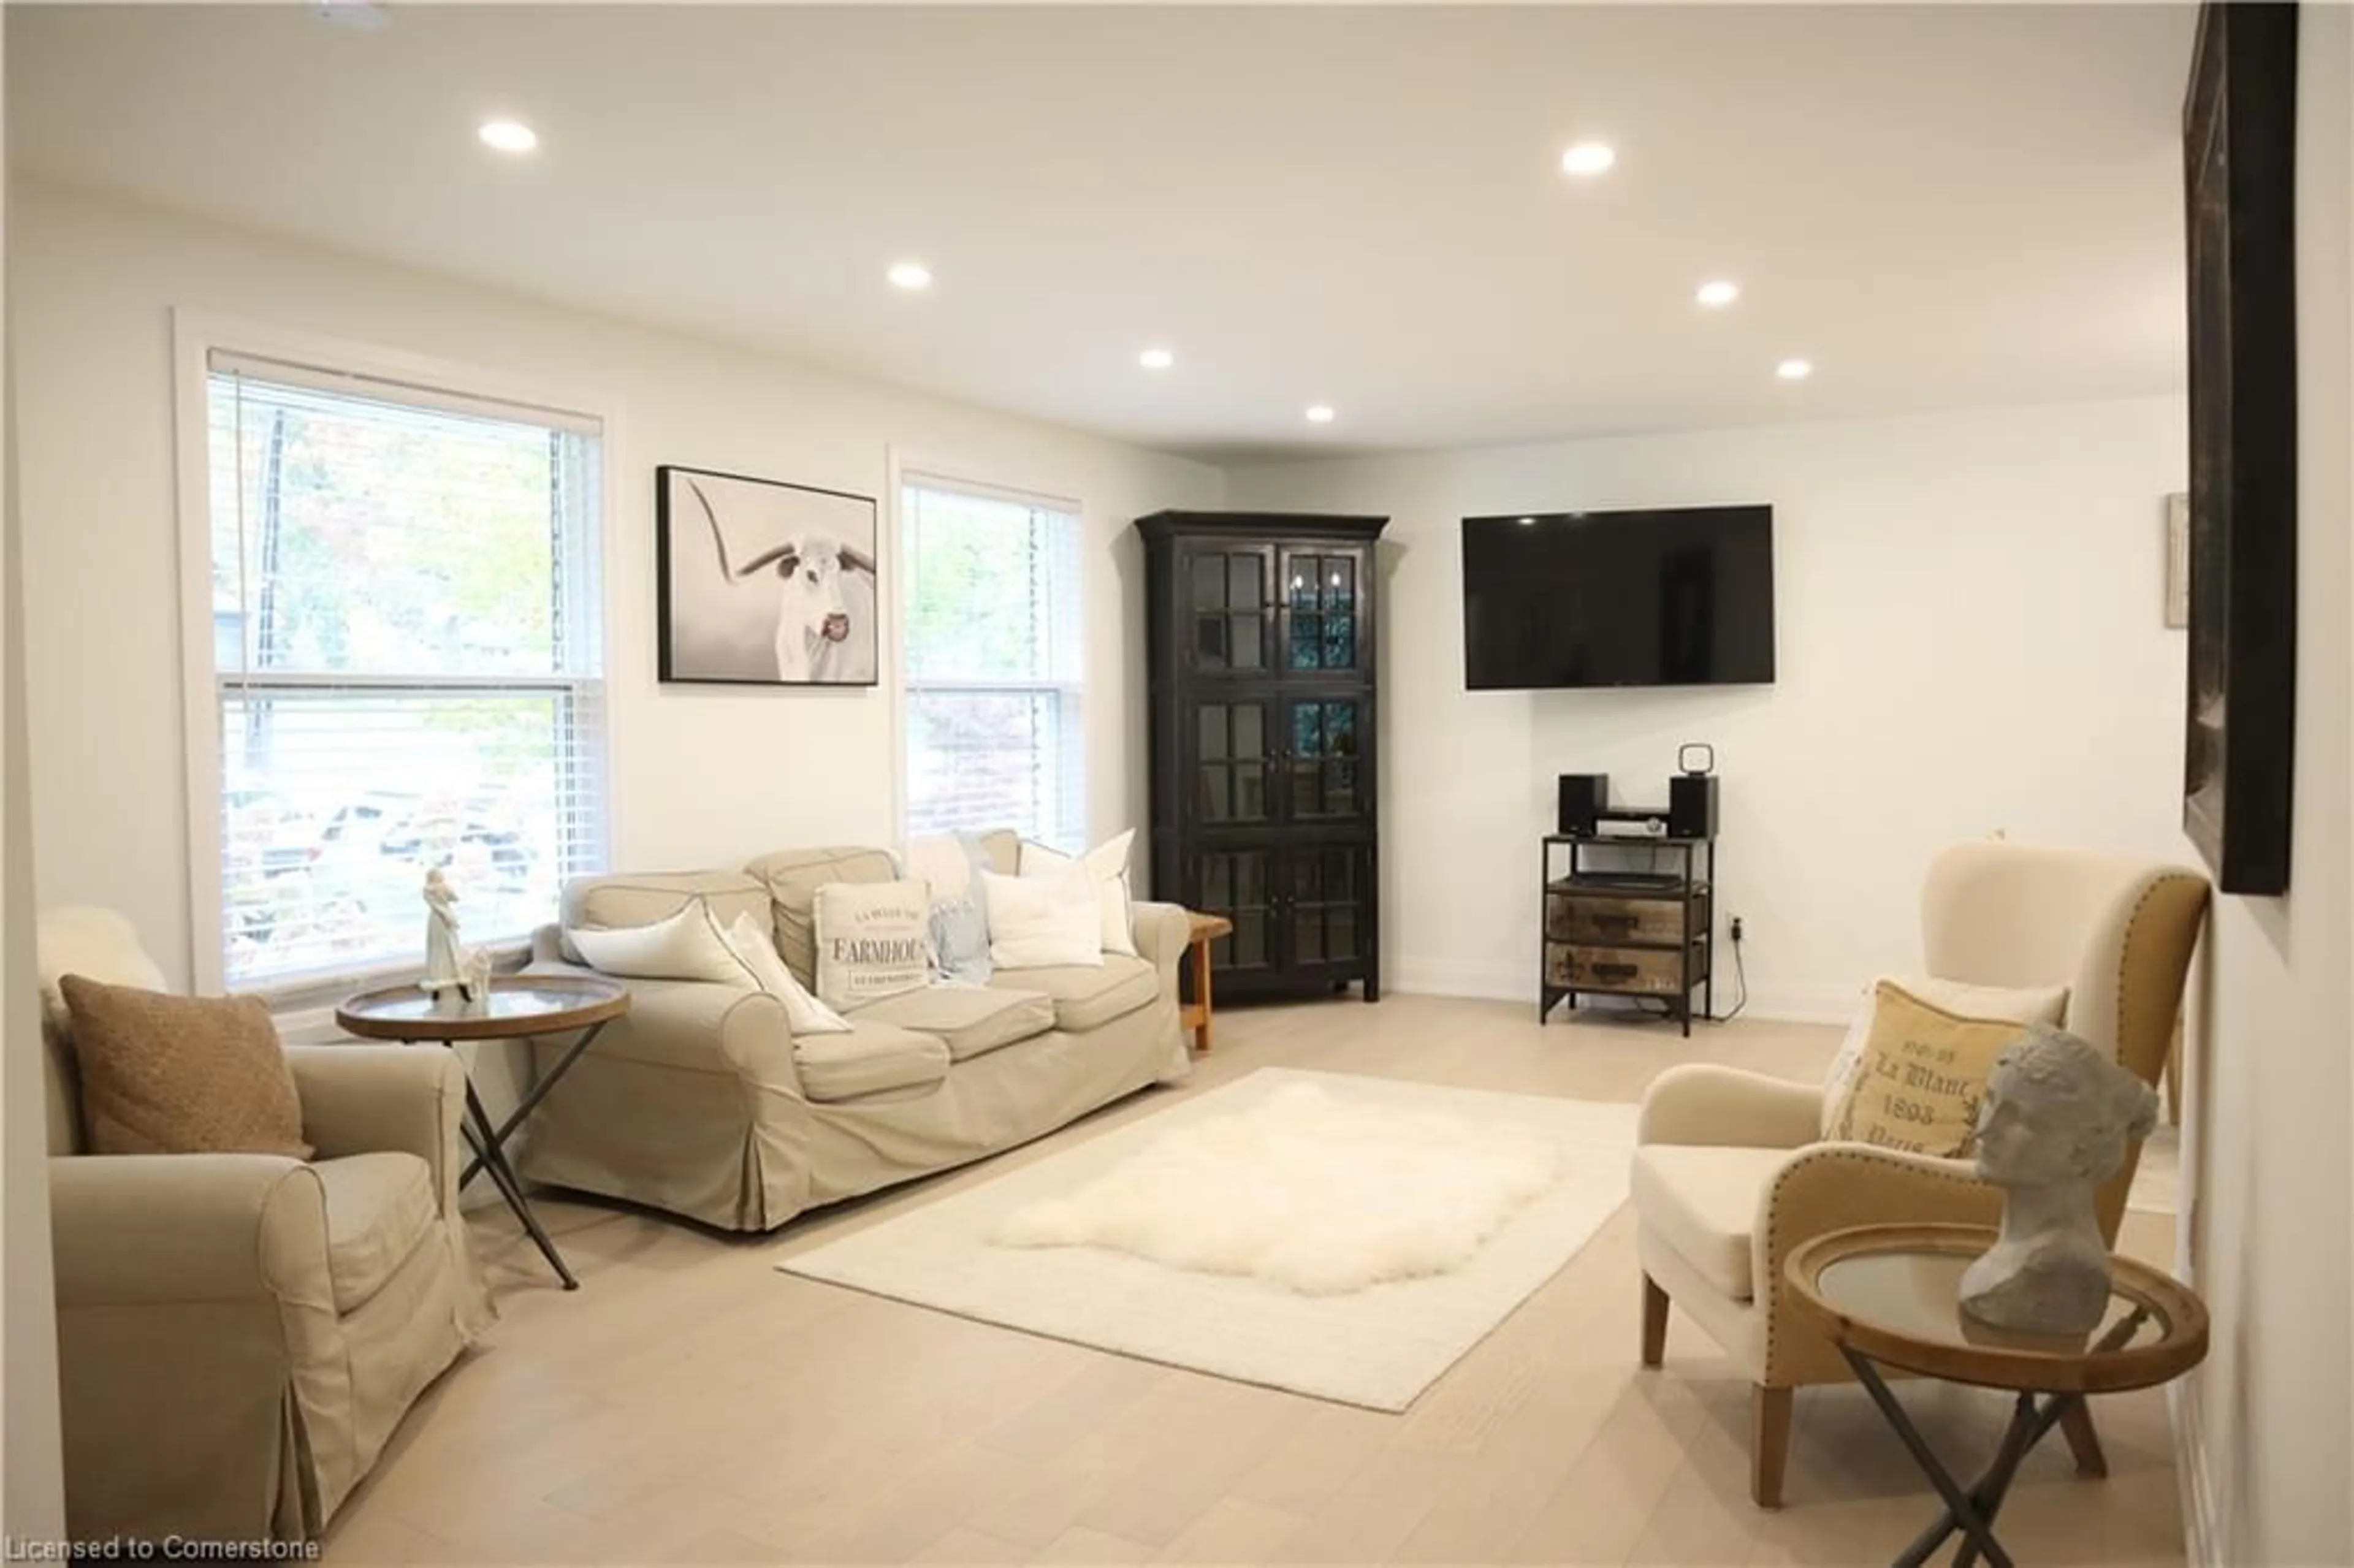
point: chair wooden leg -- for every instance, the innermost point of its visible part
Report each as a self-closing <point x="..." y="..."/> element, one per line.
<point x="2076" y="1426"/>
<point x="1769" y="1443"/>
<point x="1655" y="1323"/>
<point x="2174" y="1077"/>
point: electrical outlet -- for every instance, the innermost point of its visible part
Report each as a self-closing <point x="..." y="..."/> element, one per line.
<point x="1736" y="927"/>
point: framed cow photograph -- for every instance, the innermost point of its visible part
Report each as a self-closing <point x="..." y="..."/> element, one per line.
<point x="762" y="583"/>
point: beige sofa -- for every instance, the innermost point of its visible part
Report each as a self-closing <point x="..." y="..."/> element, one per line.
<point x="701" y="1101"/>
<point x="239" y="1334"/>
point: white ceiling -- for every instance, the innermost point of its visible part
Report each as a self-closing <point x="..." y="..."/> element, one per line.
<point x="1937" y="205"/>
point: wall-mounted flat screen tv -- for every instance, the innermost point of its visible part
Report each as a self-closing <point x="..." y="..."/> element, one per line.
<point x="1680" y="597"/>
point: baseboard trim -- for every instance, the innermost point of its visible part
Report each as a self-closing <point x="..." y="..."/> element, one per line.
<point x="2200" y="1549"/>
<point x="1511" y="982"/>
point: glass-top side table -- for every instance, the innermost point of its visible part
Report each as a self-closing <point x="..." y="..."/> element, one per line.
<point x="519" y="1007"/>
<point x="1891" y="1296"/>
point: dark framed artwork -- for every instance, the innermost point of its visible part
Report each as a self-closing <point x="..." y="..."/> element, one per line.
<point x="2239" y="139"/>
<point x="762" y="583"/>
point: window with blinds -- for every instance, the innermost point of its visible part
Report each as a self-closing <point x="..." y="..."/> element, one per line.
<point x="991" y="663"/>
<point x="408" y="665"/>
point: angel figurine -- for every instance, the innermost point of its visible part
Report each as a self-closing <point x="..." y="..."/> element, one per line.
<point x="444" y="959"/>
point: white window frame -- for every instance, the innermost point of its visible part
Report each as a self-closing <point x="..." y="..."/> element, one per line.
<point x="905" y="467"/>
<point x="196" y="336"/>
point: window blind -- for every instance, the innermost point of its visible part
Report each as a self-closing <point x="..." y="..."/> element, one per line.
<point x="992" y="661"/>
<point x="408" y="665"/>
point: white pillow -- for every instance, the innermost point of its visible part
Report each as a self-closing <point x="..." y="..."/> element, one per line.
<point x="1107" y="864"/>
<point x="686" y="946"/>
<point x="873" y="940"/>
<point x="2028" y="1005"/>
<point x="757" y="950"/>
<point x="940" y="861"/>
<point x="1042" y="922"/>
<point x="94" y="943"/>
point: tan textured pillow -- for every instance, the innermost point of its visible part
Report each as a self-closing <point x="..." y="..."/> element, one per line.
<point x="179" y="1074"/>
<point x="1923" y="1075"/>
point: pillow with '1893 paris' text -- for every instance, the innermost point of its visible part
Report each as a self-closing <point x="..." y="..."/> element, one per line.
<point x="1923" y="1073"/>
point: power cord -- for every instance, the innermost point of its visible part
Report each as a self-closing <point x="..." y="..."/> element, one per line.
<point x="1740" y="975"/>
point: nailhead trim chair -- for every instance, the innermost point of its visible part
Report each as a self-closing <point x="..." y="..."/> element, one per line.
<point x="1731" y="1173"/>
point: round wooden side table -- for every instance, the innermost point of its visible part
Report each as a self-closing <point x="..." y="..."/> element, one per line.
<point x="519" y="1006"/>
<point x="1891" y="1296"/>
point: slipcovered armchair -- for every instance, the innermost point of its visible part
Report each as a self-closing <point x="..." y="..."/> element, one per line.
<point x="238" y="1334"/>
<point x="1729" y="1172"/>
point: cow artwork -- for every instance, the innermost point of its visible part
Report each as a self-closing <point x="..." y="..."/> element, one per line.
<point x="764" y="583"/>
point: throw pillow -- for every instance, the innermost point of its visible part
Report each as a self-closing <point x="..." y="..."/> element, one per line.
<point x="1924" y="1071"/>
<point x="1107" y="864"/>
<point x="2028" y="1005"/>
<point x="873" y="940"/>
<point x="689" y="944"/>
<point x="96" y="944"/>
<point x="755" y="949"/>
<point x="941" y="862"/>
<point x="1039" y="922"/>
<point x="951" y="866"/>
<point x="181" y="1074"/>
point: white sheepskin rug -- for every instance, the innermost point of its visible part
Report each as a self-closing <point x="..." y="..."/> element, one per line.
<point x="1334" y="1234"/>
<point x="1316" y="1194"/>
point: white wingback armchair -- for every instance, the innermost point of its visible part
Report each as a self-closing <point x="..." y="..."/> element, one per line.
<point x="1729" y="1172"/>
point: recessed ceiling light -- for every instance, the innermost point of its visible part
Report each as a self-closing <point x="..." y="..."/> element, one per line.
<point x="1156" y="359"/>
<point x="1528" y="522"/>
<point x="508" y="135"/>
<point x="1320" y="413"/>
<point x="1588" y="158"/>
<point x="1795" y="369"/>
<point x="1717" y="293"/>
<point x="909" y="275"/>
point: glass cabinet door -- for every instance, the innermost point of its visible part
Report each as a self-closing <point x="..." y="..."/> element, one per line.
<point x="1230" y="608"/>
<point x="1322" y="620"/>
<point x="1325" y="774"/>
<point x="1236" y="885"/>
<point x="1325" y="904"/>
<point x="1234" y="763"/>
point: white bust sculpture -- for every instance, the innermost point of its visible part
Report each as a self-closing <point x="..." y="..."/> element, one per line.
<point x="2052" y="1128"/>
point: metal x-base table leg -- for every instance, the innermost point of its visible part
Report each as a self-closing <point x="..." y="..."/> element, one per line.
<point x="489" y="1144"/>
<point x="1971" y="1512"/>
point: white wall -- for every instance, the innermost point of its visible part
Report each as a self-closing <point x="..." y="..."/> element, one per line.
<point x="32" y="1488"/>
<point x="1970" y="639"/>
<point x="701" y="775"/>
<point x="2266" y="1419"/>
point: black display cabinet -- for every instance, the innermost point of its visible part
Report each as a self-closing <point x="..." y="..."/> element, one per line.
<point x="1260" y="629"/>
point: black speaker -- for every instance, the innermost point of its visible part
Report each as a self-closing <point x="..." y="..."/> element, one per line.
<point x="1582" y="795"/>
<point x="1691" y="806"/>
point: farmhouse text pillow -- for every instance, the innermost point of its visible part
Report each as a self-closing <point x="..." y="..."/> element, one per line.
<point x="873" y="940"/>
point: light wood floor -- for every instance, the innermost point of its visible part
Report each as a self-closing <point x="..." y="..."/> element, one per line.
<point x="691" y="1404"/>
